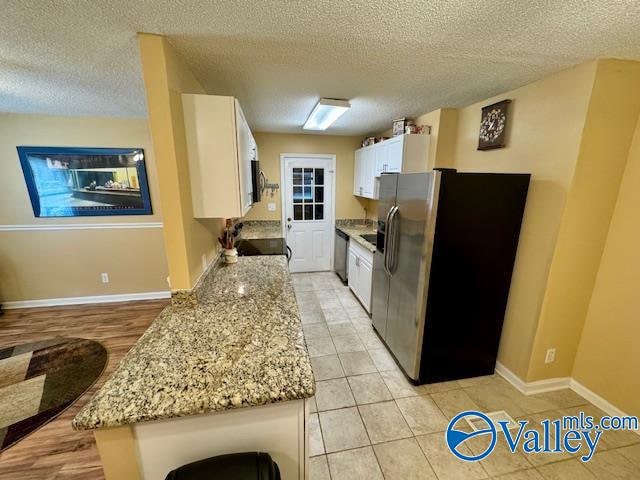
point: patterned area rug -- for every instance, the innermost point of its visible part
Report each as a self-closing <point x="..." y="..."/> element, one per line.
<point x="38" y="381"/>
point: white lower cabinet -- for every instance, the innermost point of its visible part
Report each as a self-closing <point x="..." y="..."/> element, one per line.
<point x="360" y="273"/>
<point x="366" y="281"/>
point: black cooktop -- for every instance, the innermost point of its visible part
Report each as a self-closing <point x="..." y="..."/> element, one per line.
<point x="262" y="246"/>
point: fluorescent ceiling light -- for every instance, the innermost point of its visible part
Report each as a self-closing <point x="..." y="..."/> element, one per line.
<point x="326" y="111"/>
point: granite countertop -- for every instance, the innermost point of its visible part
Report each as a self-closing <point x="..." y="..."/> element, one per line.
<point x="241" y="346"/>
<point x="261" y="229"/>
<point x="355" y="233"/>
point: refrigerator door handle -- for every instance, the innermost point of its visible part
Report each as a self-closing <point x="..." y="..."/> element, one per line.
<point x="393" y="230"/>
<point x="391" y="244"/>
<point x="386" y="242"/>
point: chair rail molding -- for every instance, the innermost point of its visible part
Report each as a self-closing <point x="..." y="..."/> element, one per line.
<point x="79" y="226"/>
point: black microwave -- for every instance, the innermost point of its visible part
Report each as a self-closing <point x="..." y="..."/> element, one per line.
<point x="257" y="180"/>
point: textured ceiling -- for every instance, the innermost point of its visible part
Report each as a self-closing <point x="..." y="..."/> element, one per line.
<point x="391" y="59"/>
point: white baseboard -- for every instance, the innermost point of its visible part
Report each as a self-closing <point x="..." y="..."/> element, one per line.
<point x="597" y="400"/>
<point x="52" y="302"/>
<point x="531" y="388"/>
<point x="548" y="385"/>
<point x="512" y="378"/>
<point x="541" y="386"/>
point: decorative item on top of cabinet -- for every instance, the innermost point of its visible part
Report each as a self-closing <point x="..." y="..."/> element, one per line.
<point x="400" y="125"/>
<point x="220" y="148"/>
<point x="493" y="125"/>
<point x="373" y="140"/>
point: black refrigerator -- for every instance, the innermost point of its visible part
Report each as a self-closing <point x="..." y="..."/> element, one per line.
<point x="446" y="246"/>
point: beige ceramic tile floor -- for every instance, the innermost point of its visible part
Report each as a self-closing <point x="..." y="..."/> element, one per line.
<point x="368" y="422"/>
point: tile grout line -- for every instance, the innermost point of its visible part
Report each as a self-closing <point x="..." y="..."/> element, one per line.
<point x="324" y="448"/>
<point x="366" y="430"/>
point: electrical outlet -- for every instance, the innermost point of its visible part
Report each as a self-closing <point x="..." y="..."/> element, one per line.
<point x="104" y="276"/>
<point x="271" y="206"/>
<point x="551" y="356"/>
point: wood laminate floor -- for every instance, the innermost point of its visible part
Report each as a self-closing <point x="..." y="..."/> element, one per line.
<point x="56" y="451"/>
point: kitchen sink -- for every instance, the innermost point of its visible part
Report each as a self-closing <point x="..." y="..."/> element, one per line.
<point x="370" y="237"/>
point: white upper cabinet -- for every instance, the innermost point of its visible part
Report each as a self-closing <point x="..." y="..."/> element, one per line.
<point x="247" y="152"/>
<point x="401" y="154"/>
<point x="368" y="173"/>
<point x="357" y="173"/>
<point x="220" y="147"/>
<point x="382" y="159"/>
<point x="364" y="172"/>
<point x="395" y="153"/>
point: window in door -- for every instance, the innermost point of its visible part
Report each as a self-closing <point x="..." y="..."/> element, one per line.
<point x="308" y="194"/>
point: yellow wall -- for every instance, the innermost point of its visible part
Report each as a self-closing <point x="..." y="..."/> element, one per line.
<point x="608" y="356"/>
<point x="166" y="77"/>
<point x="443" y="123"/>
<point x="38" y="264"/>
<point x="444" y="138"/>
<point x="271" y="145"/>
<point x="609" y="127"/>
<point x="545" y="128"/>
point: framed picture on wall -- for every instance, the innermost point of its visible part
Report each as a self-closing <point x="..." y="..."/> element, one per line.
<point x="493" y="125"/>
<point x="76" y="182"/>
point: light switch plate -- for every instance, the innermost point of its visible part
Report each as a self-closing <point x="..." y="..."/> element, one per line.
<point x="271" y="206"/>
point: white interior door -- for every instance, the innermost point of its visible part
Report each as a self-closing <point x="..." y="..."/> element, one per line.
<point x="308" y="211"/>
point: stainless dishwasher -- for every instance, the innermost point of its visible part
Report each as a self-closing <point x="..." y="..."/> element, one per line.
<point x="341" y="253"/>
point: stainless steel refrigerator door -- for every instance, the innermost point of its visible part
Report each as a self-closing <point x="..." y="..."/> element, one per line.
<point x="414" y="225"/>
<point x="380" y="301"/>
<point x="380" y="290"/>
